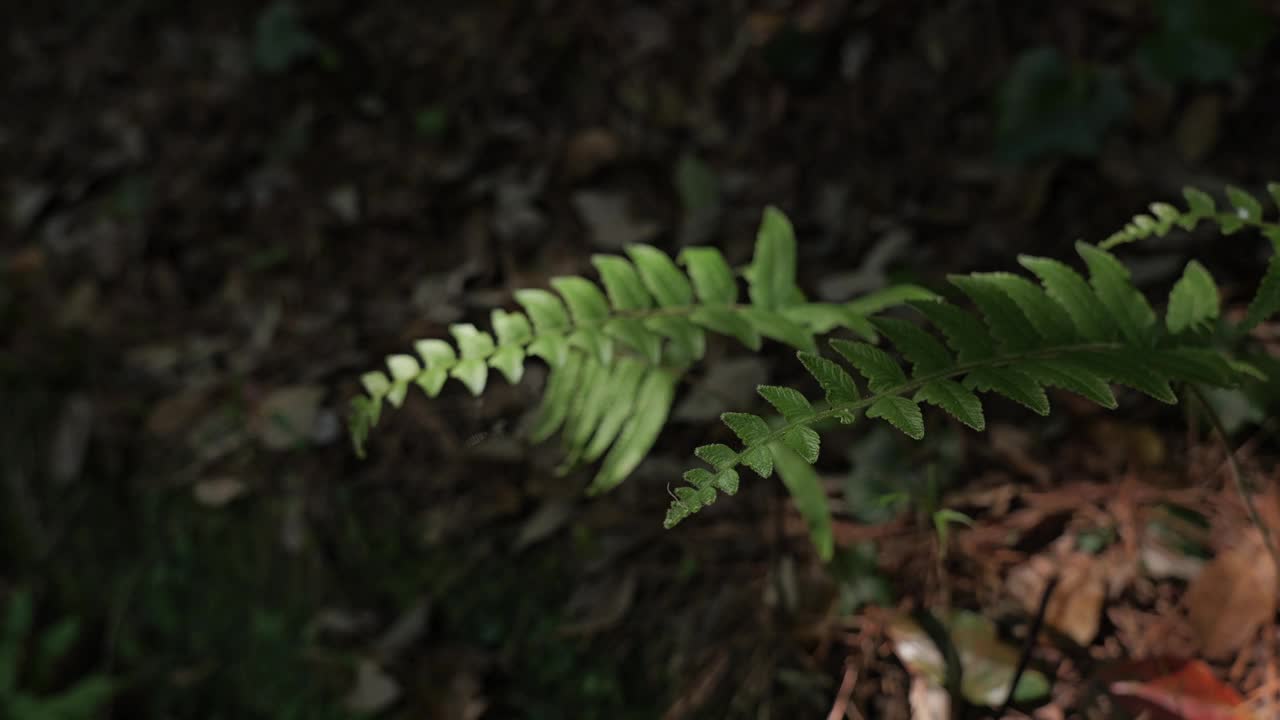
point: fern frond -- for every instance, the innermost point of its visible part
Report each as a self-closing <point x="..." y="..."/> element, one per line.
<point x="616" y="350"/>
<point x="1065" y="332"/>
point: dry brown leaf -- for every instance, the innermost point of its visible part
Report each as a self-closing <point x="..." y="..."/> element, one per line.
<point x="374" y="689"/>
<point x="590" y="150"/>
<point x="217" y="492"/>
<point x="927" y="700"/>
<point x="285" y="417"/>
<point x="176" y="413"/>
<point x="1197" y="130"/>
<point x="1232" y="598"/>
<point x="1075" y="608"/>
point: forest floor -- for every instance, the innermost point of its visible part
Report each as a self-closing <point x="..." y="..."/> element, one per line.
<point x="219" y="216"/>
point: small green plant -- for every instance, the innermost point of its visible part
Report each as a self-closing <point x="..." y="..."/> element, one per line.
<point x="85" y="699"/>
<point x="617" y="355"/>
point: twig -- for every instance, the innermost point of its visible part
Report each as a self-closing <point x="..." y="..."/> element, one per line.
<point x="941" y="637"/>
<point x="1237" y="476"/>
<point x="842" y="695"/>
<point x="1030" y="644"/>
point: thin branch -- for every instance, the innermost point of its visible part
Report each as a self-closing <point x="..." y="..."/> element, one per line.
<point x="1029" y="645"/>
<point x="1237" y="475"/>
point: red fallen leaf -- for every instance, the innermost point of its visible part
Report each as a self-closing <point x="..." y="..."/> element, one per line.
<point x="1169" y="689"/>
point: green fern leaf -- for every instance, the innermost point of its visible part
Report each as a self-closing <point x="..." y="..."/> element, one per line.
<point x="727" y="322"/>
<point x="1048" y="317"/>
<point x="1267" y="302"/>
<point x="1199" y="203"/>
<point x="1126" y="368"/>
<point x="1007" y="323"/>
<point x="822" y="318"/>
<point x="513" y="333"/>
<point x="596" y="387"/>
<point x="376" y="384"/>
<point x="403" y="368"/>
<point x="885" y="298"/>
<point x="562" y="384"/>
<point x="622" y="283"/>
<point x="750" y="429"/>
<point x="544" y="309"/>
<point x="803" y="441"/>
<point x="1273" y="189"/>
<point x="760" y="460"/>
<point x="881" y="371"/>
<point x="773" y="269"/>
<point x="438" y="359"/>
<point x="902" y="413"/>
<point x="1013" y="384"/>
<point x="512" y="328"/>
<point x="1065" y="285"/>
<point x="965" y="333"/>
<point x="726" y="481"/>
<point x="688" y="342"/>
<point x="553" y="348"/>
<point x="776" y="326"/>
<point x="661" y="276"/>
<point x="475" y="347"/>
<point x="717" y="455"/>
<point x="587" y="305"/>
<point x="625" y="384"/>
<point x="790" y="403"/>
<point x="594" y="342"/>
<point x="809" y="495"/>
<point x="633" y="333"/>
<point x="1110" y="280"/>
<point x="361" y="419"/>
<point x="653" y="404"/>
<point x="1166" y="214"/>
<point x="712" y="277"/>
<point x="953" y="397"/>
<point x="1247" y="206"/>
<point x="925" y="353"/>
<point x="837" y="383"/>
<point x="1195" y="365"/>
<point x="1068" y="376"/>
<point x="1194" y="301"/>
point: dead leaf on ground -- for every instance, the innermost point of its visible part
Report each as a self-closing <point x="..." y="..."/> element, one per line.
<point x="988" y="664"/>
<point x="404" y="631"/>
<point x="928" y="701"/>
<point x="1170" y="689"/>
<point x="609" y="220"/>
<point x="217" y="492"/>
<point x="1197" y="131"/>
<point x="1075" y="608"/>
<point x="600" y="606"/>
<point x="1232" y="598"/>
<point x="589" y="151"/>
<point x="544" y="522"/>
<point x="374" y="689"/>
<point x="176" y="413"/>
<point x="284" y="418"/>
<point x="71" y="440"/>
